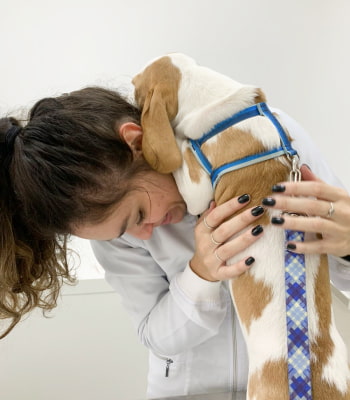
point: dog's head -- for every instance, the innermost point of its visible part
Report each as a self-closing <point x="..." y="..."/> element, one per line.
<point x="174" y="91"/>
<point x="156" y="93"/>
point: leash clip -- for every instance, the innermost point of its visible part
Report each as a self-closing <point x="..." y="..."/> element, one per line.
<point x="294" y="176"/>
<point x="295" y="173"/>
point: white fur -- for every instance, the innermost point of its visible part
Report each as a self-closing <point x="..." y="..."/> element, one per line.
<point x="196" y="195"/>
<point x="214" y="97"/>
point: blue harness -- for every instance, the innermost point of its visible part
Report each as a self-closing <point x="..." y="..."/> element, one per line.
<point x="299" y="373"/>
<point x="260" y="109"/>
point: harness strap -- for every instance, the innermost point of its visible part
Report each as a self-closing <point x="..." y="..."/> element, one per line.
<point x="260" y="109"/>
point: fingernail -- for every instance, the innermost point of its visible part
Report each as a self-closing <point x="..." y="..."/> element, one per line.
<point x="278" y="188"/>
<point x="249" y="261"/>
<point x="257" y="230"/>
<point x="257" y="211"/>
<point x="305" y="165"/>
<point x="291" y="246"/>
<point x="268" y="201"/>
<point x="211" y="203"/>
<point x="243" y="199"/>
<point x="277" y="220"/>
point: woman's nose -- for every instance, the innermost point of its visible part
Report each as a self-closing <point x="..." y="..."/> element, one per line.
<point x="142" y="232"/>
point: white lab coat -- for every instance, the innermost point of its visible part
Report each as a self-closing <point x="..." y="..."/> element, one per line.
<point x="188" y="324"/>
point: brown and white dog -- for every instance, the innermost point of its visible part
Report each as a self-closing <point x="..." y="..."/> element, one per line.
<point x="180" y="100"/>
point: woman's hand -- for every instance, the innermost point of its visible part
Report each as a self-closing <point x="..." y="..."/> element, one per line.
<point x="327" y="210"/>
<point x="212" y="235"/>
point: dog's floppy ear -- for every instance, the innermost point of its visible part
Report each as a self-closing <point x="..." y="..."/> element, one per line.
<point x="156" y="92"/>
<point x="159" y="146"/>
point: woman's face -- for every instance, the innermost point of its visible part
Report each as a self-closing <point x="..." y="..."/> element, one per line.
<point x="155" y="202"/>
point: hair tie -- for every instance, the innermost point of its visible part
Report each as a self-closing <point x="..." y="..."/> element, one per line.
<point x="10" y="137"/>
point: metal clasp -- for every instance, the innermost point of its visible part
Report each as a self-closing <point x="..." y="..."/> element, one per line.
<point x="295" y="173"/>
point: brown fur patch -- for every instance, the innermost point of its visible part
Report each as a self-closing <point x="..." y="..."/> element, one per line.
<point x="256" y="180"/>
<point x="195" y="169"/>
<point x="260" y="96"/>
<point x="260" y="296"/>
<point x="271" y="383"/>
<point x="323" y="346"/>
<point x="156" y="91"/>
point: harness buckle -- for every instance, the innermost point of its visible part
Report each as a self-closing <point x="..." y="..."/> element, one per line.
<point x="295" y="173"/>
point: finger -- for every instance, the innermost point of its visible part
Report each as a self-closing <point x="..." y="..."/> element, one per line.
<point x="233" y="271"/>
<point x="303" y="205"/>
<point x="203" y="217"/>
<point x="315" y="247"/>
<point x="317" y="189"/>
<point x="239" y="243"/>
<point x="236" y="224"/>
<point x="217" y="215"/>
<point x="307" y="224"/>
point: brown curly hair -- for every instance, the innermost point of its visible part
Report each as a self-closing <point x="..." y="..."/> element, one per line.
<point x="67" y="165"/>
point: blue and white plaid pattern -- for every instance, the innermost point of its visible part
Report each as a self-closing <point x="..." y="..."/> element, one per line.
<point x="299" y="373"/>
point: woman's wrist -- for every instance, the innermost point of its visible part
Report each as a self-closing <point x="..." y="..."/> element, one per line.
<point x="197" y="288"/>
<point x="199" y="271"/>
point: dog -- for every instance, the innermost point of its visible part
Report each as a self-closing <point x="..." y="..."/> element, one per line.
<point x="181" y="100"/>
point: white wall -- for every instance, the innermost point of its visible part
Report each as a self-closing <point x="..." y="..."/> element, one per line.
<point x="297" y="51"/>
<point x="86" y="350"/>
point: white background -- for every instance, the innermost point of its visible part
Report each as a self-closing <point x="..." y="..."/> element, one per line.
<point x="297" y="51"/>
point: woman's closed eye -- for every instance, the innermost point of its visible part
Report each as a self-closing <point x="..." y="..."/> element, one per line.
<point x="141" y="217"/>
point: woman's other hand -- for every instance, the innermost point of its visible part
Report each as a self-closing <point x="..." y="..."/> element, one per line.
<point x="326" y="211"/>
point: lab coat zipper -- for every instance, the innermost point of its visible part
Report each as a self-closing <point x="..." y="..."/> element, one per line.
<point x="233" y="344"/>
<point x="234" y="349"/>
<point x="168" y="362"/>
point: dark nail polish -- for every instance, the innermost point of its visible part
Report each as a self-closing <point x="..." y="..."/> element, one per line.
<point x="249" y="261"/>
<point x="277" y="220"/>
<point x="257" y="211"/>
<point x="243" y="199"/>
<point x="278" y="188"/>
<point x="291" y="246"/>
<point x="268" y="201"/>
<point x="257" y="230"/>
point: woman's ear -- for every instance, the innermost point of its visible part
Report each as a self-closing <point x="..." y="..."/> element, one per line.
<point x="132" y="135"/>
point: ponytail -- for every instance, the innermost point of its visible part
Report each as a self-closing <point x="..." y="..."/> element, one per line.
<point x="32" y="269"/>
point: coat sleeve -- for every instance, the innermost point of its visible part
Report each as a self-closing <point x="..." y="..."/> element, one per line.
<point x="172" y="310"/>
<point x="309" y="154"/>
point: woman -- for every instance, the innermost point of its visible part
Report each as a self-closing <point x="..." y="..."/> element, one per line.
<point x="77" y="168"/>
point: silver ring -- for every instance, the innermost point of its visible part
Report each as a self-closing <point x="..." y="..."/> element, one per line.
<point x="207" y="225"/>
<point x="214" y="241"/>
<point x="331" y="210"/>
<point x="218" y="257"/>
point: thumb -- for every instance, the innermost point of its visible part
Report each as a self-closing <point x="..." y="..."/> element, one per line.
<point x="307" y="174"/>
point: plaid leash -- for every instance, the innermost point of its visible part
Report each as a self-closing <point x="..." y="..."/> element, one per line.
<point x="299" y="373"/>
